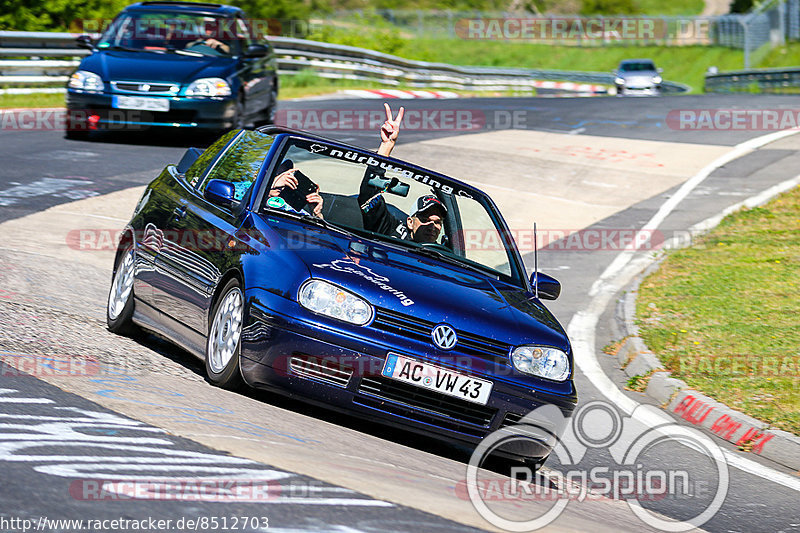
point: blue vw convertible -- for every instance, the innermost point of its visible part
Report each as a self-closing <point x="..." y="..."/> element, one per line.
<point x="352" y="280"/>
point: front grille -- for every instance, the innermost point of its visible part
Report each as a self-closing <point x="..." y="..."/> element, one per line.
<point x="409" y="400"/>
<point x="144" y="88"/>
<point x="511" y="419"/>
<point x="418" y="329"/>
<point x="323" y="370"/>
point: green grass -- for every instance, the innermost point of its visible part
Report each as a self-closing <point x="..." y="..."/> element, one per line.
<point x="724" y="315"/>
<point x="31" y="100"/>
<point x="674" y="7"/>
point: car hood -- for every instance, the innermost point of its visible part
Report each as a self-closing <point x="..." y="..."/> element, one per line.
<point x="426" y="288"/>
<point x="153" y="66"/>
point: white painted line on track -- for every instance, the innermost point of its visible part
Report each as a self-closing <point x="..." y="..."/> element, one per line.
<point x="667" y="207"/>
<point x="625" y="267"/>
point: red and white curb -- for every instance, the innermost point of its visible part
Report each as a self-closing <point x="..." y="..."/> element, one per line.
<point x="398" y="93"/>
<point x="569" y="86"/>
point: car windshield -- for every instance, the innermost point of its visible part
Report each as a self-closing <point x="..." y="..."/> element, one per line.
<point x="470" y="234"/>
<point x="184" y="33"/>
<point x="637" y="67"/>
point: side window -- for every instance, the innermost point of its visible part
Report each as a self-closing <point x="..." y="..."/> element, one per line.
<point x="481" y="240"/>
<point x="199" y="167"/>
<point x="241" y="162"/>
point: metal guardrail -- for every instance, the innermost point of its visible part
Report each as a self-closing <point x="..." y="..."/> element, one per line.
<point x="296" y="55"/>
<point x="771" y="80"/>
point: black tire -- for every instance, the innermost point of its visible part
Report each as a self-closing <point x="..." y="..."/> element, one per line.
<point x="239" y="122"/>
<point x="76" y="135"/>
<point x="120" y="303"/>
<point x="272" y="110"/>
<point x="224" y="372"/>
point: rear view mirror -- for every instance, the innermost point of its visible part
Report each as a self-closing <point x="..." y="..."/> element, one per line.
<point x="219" y="192"/>
<point x="256" y="50"/>
<point x="549" y="287"/>
<point x="189" y="157"/>
<point x="390" y="185"/>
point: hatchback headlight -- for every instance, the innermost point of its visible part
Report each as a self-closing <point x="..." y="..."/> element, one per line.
<point x="333" y="301"/>
<point x="619" y="81"/>
<point x="657" y="79"/>
<point x="88" y="81"/>
<point x="208" y="87"/>
<point x="542" y="361"/>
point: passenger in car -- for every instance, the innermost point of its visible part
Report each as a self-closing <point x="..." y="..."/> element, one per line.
<point x="424" y="224"/>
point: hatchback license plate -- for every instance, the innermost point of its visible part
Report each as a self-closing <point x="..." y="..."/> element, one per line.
<point x="139" y="102"/>
<point x="442" y="380"/>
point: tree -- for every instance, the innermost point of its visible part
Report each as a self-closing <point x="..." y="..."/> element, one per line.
<point x="741" y="6"/>
<point x="609" y="7"/>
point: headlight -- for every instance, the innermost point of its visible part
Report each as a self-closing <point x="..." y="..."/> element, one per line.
<point x="542" y="361"/>
<point x="657" y="79"/>
<point x="328" y="299"/>
<point x="88" y="81"/>
<point x="619" y="81"/>
<point x="209" y="87"/>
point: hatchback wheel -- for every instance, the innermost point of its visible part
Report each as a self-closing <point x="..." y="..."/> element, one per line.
<point x="223" y="343"/>
<point x="119" y="311"/>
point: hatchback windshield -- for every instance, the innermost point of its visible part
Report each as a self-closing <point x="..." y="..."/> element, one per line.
<point x="427" y="214"/>
<point x="185" y="33"/>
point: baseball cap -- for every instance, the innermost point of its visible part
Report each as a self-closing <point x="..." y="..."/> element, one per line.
<point x="426" y="202"/>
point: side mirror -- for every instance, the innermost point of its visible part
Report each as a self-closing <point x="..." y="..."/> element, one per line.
<point x="84" y="41"/>
<point x="659" y="70"/>
<point x="256" y="50"/>
<point x="188" y="159"/>
<point x="219" y="192"/>
<point x="549" y="287"/>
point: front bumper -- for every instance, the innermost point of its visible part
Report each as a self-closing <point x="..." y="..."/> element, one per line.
<point x="284" y="349"/>
<point x="89" y="111"/>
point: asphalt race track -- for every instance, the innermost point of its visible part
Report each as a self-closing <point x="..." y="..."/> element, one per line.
<point x="78" y="438"/>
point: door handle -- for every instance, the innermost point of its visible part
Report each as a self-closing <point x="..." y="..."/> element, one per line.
<point x="179" y="212"/>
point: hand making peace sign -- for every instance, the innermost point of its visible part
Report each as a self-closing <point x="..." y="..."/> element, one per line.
<point x="390" y="130"/>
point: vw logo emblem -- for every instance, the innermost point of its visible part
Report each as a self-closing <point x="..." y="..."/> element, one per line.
<point x="444" y="336"/>
<point x="144" y="87"/>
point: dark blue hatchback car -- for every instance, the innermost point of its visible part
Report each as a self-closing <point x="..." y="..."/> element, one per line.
<point x="177" y="65"/>
<point x="446" y="336"/>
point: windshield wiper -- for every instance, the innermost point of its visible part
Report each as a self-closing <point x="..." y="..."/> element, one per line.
<point x="433" y="252"/>
<point x="119" y="47"/>
<point x="321" y="222"/>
